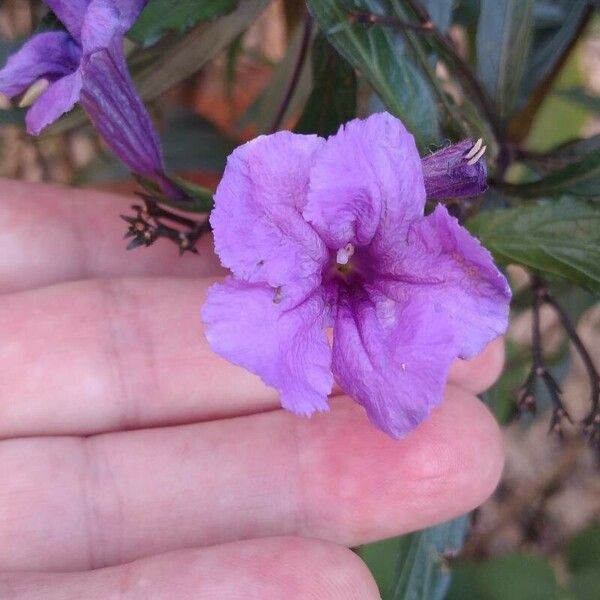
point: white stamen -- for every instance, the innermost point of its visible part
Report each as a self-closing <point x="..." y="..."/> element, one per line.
<point x="344" y="254"/>
<point x="477" y="156"/>
<point x="33" y="92"/>
<point x="475" y="149"/>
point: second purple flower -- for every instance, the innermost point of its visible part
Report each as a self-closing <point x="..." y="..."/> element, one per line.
<point x="331" y="234"/>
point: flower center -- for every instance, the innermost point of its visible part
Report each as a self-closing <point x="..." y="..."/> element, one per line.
<point x="343" y="257"/>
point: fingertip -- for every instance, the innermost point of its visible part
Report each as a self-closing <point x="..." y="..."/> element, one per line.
<point x="361" y="485"/>
<point x="479" y="373"/>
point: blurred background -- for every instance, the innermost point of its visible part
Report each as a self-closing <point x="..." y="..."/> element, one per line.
<point x="539" y="535"/>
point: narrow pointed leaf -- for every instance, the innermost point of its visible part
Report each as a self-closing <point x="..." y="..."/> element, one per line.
<point x="503" y="42"/>
<point x="550" y="40"/>
<point x="161" y="16"/>
<point x="413" y="567"/>
<point x="382" y="55"/>
<point x="580" y="178"/>
<point x="176" y="58"/>
<point x="333" y="98"/>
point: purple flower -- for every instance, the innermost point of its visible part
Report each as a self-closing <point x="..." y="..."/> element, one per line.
<point x="86" y="64"/>
<point x="331" y="233"/>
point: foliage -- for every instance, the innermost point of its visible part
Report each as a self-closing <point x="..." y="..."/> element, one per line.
<point x="515" y="83"/>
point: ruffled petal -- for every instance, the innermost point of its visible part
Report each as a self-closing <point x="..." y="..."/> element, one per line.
<point x="286" y="347"/>
<point x="259" y="230"/>
<point x="70" y="12"/>
<point x="114" y="107"/>
<point x="52" y="55"/>
<point x="443" y="265"/>
<point x="106" y="18"/>
<point x="58" y="99"/>
<point x="367" y="184"/>
<point x="393" y="359"/>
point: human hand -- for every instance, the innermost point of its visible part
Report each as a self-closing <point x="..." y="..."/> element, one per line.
<point x="137" y="464"/>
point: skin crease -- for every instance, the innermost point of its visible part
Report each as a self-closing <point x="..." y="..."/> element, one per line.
<point x="190" y="482"/>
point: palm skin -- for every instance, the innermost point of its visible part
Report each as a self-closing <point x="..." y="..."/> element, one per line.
<point x="137" y="464"/>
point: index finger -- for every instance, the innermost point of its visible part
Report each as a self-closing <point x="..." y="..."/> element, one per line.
<point x="50" y="234"/>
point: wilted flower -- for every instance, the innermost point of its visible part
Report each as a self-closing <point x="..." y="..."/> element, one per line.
<point x="331" y="233"/>
<point x="86" y="64"/>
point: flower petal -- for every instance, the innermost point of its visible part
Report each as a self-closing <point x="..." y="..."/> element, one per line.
<point x="259" y="230"/>
<point x="58" y="99"/>
<point x="111" y="101"/>
<point x="367" y="185"/>
<point x="70" y="12"/>
<point x="446" y="267"/>
<point x="52" y="55"/>
<point x="286" y="347"/>
<point x="393" y="359"/>
<point x="129" y="11"/>
<point x="106" y="18"/>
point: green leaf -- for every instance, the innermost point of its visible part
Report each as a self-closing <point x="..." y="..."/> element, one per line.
<point x="580" y="96"/>
<point x="560" y="238"/>
<point x="263" y="110"/>
<point x="581" y="178"/>
<point x="176" y="57"/>
<point x="503" y="41"/>
<point x="200" y="198"/>
<point x="583" y="550"/>
<point x="383" y="56"/>
<point x="557" y="22"/>
<point x="420" y="571"/>
<point x="563" y="155"/>
<point x="440" y="12"/>
<point x="13" y="116"/>
<point x="509" y="577"/>
<point x="161" y="16"/>
<point x="584" y="585"/>
<point x="333" y="98"/>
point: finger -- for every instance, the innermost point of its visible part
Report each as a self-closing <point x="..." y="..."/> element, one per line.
<point x="73" y="504"/>
<point x="50" y="234"/>
<point x="104" y="355"/>
<point x="267" y="569"/>
<point x="481" y="372"/>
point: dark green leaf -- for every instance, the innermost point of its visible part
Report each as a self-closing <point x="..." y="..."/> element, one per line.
<point x="563" y="155"/>
<point x="584" y="585"/>
<point x="503" y="40"/>
<point x="420" y="571"/>
<point x="190" y="142"/>
<point x="510" y="577"/>
<point x="333" y="98"/>
<point x="383" y="56"/>
<point x="200" y="198"/>
<point x="177" y="57"/>
<point x="560" y="237"/>
<point x="13" y="116"/>
<point x="583" y="550"/>
<point x="581" y="178"/>
<point x="582" y="97"/>
<point x="161" y="16"/>
<point x="556" y="22"/>
<point x="440" y="12"/>
<point x="263" y="110"/>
